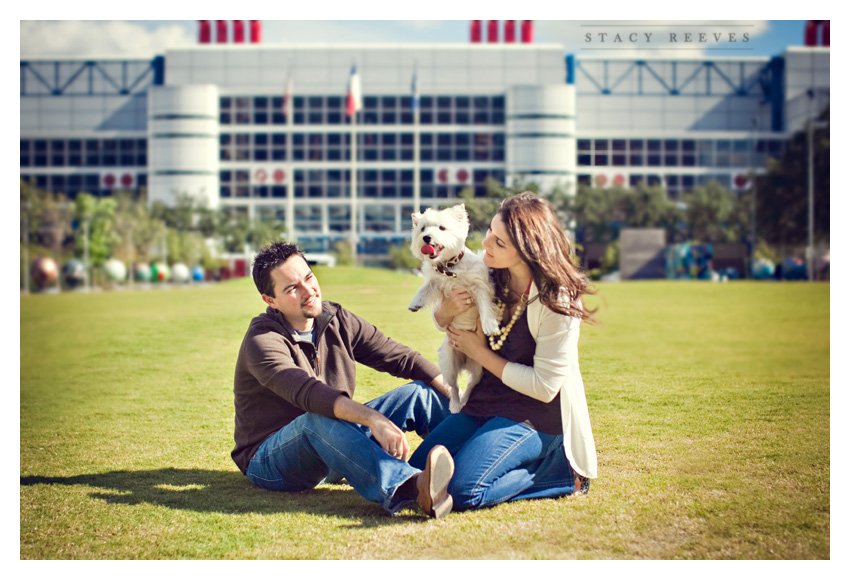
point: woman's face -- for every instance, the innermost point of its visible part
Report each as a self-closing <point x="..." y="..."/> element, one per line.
<point x="499" y="252"/>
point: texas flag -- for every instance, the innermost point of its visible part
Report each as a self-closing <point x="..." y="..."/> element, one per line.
<point x="355" y="97"/>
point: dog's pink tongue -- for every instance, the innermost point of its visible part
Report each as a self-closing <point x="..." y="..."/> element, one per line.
<point x="428" y="250"/>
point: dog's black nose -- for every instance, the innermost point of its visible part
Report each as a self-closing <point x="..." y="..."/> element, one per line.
<point x="427" y="239"/>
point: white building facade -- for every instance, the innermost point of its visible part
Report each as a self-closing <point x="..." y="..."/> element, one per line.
<point x="210" y="122"/>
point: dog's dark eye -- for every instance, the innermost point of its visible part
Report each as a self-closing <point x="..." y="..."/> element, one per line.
<point x="442" y="228"/>
<point x="422" y="229"/>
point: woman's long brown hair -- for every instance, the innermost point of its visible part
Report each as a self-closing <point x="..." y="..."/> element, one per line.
<point x="537" y="235"/>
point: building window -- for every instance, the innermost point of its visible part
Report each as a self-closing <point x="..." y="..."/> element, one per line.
<point x="308" y="218"/>
<point x="271" y="213"/>
<point x="339" y="218"/>
<point x="88" y="153"/>
<point x="481" y="176"/>
<point x="460" y="109"/>
<point x="25" y="153"/>
<point x="379" y="218"/>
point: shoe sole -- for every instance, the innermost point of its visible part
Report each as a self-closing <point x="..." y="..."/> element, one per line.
<point x="439" y="468"/>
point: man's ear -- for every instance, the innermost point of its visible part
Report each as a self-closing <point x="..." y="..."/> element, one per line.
<point x="269" y="300"/>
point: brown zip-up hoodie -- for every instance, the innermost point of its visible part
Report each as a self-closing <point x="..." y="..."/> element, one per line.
<point x="278" y="378"/>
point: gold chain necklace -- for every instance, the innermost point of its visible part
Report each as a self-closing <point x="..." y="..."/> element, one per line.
<point x="503" y="332"/>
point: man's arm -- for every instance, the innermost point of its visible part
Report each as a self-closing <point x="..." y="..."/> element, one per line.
<point x="376" y="350"/>
<point x="269" y="361"/>
<point x="389" y="437"/>
<point x="438" y="385"/>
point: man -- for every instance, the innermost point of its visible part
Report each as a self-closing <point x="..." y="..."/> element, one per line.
<point x="296" y="422"/>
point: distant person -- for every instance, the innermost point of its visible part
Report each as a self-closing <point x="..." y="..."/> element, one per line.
<point x="297" y="424"/>
<point x="525" y="430"/>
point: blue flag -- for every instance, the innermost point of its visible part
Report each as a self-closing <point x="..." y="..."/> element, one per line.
<point x="414" y="88"/>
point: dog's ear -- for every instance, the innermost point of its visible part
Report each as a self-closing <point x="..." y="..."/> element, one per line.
<point x="459" y="212"/>
<point x="415" y="217"/>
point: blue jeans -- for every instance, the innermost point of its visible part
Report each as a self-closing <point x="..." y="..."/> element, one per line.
<point x="498" y="460"/>
<point x="313" y="448"/>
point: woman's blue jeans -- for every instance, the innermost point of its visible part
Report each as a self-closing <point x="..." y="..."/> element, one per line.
<point x="313" y="448"/>
<point x="498" y="460"/>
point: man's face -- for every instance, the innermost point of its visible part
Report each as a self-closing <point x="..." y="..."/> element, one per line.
<point x="296" y="293"/>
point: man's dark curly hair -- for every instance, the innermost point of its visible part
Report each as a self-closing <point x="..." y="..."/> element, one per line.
<point x="267" y="260"/>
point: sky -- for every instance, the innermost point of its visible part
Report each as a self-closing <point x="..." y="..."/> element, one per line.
<point x="642" y="38"/>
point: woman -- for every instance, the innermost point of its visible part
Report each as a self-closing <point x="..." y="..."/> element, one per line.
<point x="525" y="431"/>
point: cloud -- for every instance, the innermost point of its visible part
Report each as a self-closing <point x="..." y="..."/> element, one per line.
<point x="87" y="38"/>
<point x="422" y="24"/>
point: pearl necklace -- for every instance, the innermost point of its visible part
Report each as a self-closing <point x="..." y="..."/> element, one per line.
<point x="504" y="332"/>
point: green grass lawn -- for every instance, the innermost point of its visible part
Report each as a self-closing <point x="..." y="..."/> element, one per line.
<point x="710" y="406"/>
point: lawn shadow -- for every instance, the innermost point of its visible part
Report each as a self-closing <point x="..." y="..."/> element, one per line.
<point x="228" y="492"/>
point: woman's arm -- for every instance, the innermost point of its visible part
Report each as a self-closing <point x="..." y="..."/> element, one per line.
<point x="556" y="340"/>
<point x="557" y="348"/>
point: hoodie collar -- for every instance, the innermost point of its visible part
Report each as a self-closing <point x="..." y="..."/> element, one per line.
<point x="319" y="323"/>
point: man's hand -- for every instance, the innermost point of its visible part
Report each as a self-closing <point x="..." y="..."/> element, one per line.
<point x="386" y="433"/>
<point x="390" y="437"/>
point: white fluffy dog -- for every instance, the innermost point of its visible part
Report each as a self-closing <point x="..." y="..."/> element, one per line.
<point x="439" y="240"/>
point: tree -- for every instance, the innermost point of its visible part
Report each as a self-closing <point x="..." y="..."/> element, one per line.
<point x="599" y="213"/>
<point x="482" y="209"/>
<point x="401" y="258"/>
<point x="596" y="212"/>
<point x="714" y="214"/>
<point x="782" y="193"/>
<point x="649" y="207"/>
<point x="48" y="220"/>
<point x="236" y="230"/>
<point x="95" y="236"/>
<point x="139" y="230"/>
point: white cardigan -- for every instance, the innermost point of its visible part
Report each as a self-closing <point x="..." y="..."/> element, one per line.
<point x="556" y="370"/>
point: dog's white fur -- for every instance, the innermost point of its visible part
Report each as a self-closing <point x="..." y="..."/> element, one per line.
<point x="446" y="230"/>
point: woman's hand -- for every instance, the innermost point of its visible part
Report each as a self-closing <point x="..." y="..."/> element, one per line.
<point x="472" y="343"/>
<point x="458" y="302"/>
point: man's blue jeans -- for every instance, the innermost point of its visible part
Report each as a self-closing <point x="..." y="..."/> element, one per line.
<point x="499" y="460"/>
<point x="314" y="448"/>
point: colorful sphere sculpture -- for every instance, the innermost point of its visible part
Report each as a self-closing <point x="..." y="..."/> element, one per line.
<point x="180" y="273"/>
<point x="762" y="269"/>
<point x="115" y="270"/>
<point x="143" y="272"/>
<point x="160" y="272"/>
<point x="74" y="273"/>
<point x="44" y="272"/>
<point x="197" y="274"/>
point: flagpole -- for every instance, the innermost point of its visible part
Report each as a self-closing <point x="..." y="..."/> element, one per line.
<point x="353" y="180"/>
<point x="416" y="107"/>
<point x="355" y="103"/>
<point x="290" y="181"/>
